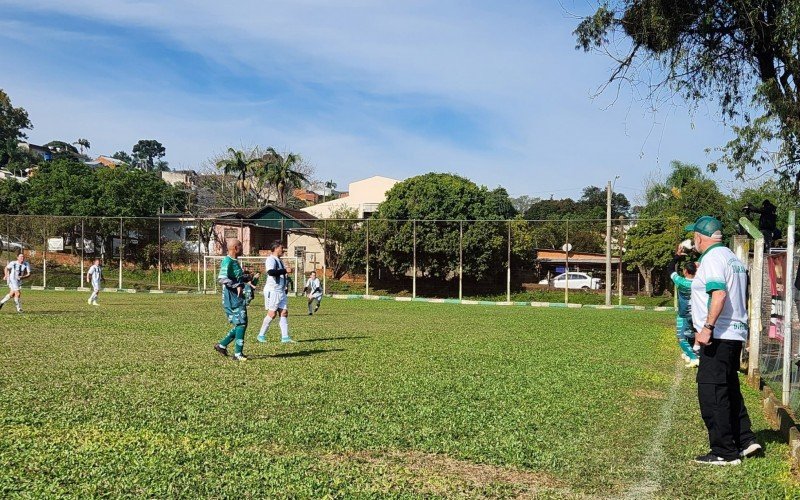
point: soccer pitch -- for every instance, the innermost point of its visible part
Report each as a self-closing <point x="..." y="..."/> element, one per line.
<point x="375" y="399"/>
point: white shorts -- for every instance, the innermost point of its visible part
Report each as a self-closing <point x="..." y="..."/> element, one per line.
<point x="96" y="287"/>
<point x="14" y="285"/>
<point x="275" y="299"/>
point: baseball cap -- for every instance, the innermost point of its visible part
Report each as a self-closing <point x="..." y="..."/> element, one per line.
<point x="706" y="225"/>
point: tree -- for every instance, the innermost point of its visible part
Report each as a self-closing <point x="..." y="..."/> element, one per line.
<point x="329" y="187"/>
<point x="281" y="172"/>
<point x="344" y="238"/>
<point x="62" y="150"/>
<point x="146" y="152"/>
<point x="123" y="156"/>
<point x="523" y="203"/>
<point x="13" y="195"/>
<point x="62" y="187"/>
<point x="83" y="144"/>
<point x="439" y="202"/>
<point x="13" y="123"/>
<point x="238" y="164"/>
<point x="744" y="54"/>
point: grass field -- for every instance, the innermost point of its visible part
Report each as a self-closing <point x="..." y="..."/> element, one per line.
<point x="376" y="399"/>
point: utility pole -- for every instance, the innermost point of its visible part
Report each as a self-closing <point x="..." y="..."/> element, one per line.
<point x="608" y="244"/>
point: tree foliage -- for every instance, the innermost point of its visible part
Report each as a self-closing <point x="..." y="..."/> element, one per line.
<point x="146" y="152"/>
<point x="744" y="54"/>
<point x="13" y="123"/>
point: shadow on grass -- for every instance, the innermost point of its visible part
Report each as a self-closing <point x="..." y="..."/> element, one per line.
<point x="325" y="339"/>
<point x="769" y="436"/>
<point x="296" y="354"/>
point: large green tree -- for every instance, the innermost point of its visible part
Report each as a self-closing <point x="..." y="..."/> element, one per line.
<point x="438" y="202"/>
<point x="240" y="164"/>
<point x="13" y="123"/>
<point x="281" y="172"/>
<point x="146" y="152"/>
<point x="744" y="54"/>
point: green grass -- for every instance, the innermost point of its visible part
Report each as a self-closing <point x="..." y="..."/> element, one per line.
<point x="377" y="399"/>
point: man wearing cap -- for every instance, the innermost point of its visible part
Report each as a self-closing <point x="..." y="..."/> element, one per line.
<point x="719" y="314"/>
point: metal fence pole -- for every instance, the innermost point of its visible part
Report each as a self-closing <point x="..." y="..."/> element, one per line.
<point x="461" y="260"/>
<point x="620" y="243"/>
<point x="787" y="310"/>
<point x="566" y="266"/>
<point x="83" y="251"/>
<point x="159" y="252"/>
<point x="366" y="239"/>
<point x="119" y="283"/>
<point x="197" y="223"/>
<point x="414" y="262"/>
<point x="8" y="238"/>
<point x="44" y="259"/>
<point x="508" y="266"/>
<point x="324" y="256"/>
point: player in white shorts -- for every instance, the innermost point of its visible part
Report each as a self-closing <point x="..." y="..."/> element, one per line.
<point x="94" y="276"/>
<point x="13" y="274"/>
<point x="275" y="298"/>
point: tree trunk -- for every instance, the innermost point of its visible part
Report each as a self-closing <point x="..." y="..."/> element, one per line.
<point x="647" y="275"/>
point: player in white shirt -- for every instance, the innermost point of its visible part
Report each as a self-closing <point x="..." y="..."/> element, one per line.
<point x="719" y="314"/>
<point x="14" y="272"/>
<point x="313" y="291"/>
<point x="94" y="276"/>
<point x="275" y="298"/>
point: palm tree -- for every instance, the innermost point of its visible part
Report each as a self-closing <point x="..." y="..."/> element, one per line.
<point x="239" y="164"/>
<point x="281" y="173"/>
<point x="83" y="144"/>
<point x="329" y="187"/>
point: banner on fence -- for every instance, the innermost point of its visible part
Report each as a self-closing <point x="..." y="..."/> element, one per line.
<point x="777" y="283"/>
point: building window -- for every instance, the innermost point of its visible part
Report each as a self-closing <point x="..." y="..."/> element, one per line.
<point x="299" y="252"/>
<point x="230" y="233"/>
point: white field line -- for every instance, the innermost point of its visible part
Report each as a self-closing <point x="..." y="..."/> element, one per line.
<point x="654" y="460"/>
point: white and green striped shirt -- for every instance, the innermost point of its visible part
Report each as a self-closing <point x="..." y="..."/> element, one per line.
<point x="720" y="269"/>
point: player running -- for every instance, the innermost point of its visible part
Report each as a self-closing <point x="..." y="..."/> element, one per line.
<point x="13" y="274"/>
<point x="313" y="291"/>
<point x="275" y="298"/>
<point x="94" y="276"/>
<point x="237" y="293"/>
<point x="684" y="329"/>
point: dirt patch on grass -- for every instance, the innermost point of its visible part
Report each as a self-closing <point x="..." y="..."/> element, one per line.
<point x="436" y="474"/>
<point x="644" y="393"/>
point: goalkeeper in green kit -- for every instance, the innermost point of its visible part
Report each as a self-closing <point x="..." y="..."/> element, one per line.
<point x="237" y="292"/>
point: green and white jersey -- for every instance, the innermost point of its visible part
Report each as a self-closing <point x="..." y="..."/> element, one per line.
<point x="229" y="269"/>
<point x="720" y="269"/>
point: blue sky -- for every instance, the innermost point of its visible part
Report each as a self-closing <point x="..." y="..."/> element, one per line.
<point x="493" y="91"/>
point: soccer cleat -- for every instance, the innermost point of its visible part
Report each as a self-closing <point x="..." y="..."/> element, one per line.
<point x="261" y="338"/>
<point x="239" y="357"/>
<point x="89" y="301"/>
<point x="310" y="314"/>
<point x="221" y="350"/>
<point x="750" y="450"/>
<point x="711" y="459"/>
<point x="693" y="363"/>
<point x="2" y="304"/>
<point x="287" y="340"/>
<point x="95" y="304"/>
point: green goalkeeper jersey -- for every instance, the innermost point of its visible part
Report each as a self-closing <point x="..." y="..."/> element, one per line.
<point x="230" y="269"/>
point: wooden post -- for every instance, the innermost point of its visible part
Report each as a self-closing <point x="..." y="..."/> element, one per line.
<point x="159" y="252"/>
<point x="119" y="284"/>
<point x="461" y="260"/>
<point x="414" y="262"/>
<point x="508" y="266"/>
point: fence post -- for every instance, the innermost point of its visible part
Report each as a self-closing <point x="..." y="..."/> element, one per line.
<point x="566" y="266"/>
<point x="366" y="239"/>
<point x="460" y="260"/>
<point x="756" y="291"/>
<point x="787" y="310"/>
<point x="324" y="256"/>
<point x="8" y="238"/>
<point x="119" y="283"/>
<point x="83" y="251"/>
<point x="508" y="266"/>
<point x="159" y="251"/>
<point x="414" y="262"/>
<point x="197" y="223"/>
<point x="620" y="243"/>
<point x="44" y="259"/>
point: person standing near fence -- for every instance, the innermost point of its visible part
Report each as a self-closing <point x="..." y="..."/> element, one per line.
<point x="719" y="314"/>
<point x="276" y="300"/>
<point x="94" y="276"/>
<point x="14" y="272"/>
<point x="684" y="329"/>
<point x="313" y="290"/>
<point x="235" y="299"/>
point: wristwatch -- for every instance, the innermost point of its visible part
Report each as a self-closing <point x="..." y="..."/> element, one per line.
<point x="709" y="326"/>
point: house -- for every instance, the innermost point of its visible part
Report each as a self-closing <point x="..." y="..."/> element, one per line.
<point x="108" y="161"/>
<point x="5" y="174"/>
<point x="42" y="151"/>
<point x="180" y="178"/>
<point x="364" y="197"/>
<point x="257" y="228"/>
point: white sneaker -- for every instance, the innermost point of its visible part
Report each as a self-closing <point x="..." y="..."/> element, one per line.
<point x="750" y="450"/>
<point x="95" y="304"/>
<point x="89" y="301"/>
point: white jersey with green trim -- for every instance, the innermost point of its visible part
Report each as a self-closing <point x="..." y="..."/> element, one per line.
<point x="720" y="269"/>
<point x="272" y="283"/>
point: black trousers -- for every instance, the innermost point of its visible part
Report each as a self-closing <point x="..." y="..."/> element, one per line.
<point x="721" y="403"/>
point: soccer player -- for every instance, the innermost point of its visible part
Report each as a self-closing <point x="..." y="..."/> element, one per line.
<point x="235" y="299"/>
<point x="313" y="290"/>
<point x="683" y="322"/>
<point x="13" y="274"/>
<point x="275" y="298"/>
<point x="94" y="276"/>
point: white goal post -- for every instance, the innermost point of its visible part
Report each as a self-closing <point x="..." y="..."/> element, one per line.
<point x="255" y="264"/>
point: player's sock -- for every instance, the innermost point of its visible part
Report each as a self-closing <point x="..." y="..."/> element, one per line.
<point x="18" y="303"/>
<point x="309" y="306"/>
<point x="93" y="298"/>
<point x="284" y="324"/>
<point x="5" y="299"/>
<point x="228" y="338"/>
<point x="264" y="327"/>
<point x="239" y="333"/>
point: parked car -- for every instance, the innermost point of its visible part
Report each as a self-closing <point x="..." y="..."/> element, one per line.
<point x="577" y="281"/>
<point x="11" y="244"/>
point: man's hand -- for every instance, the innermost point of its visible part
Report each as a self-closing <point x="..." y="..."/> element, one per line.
<point x="704" y="337"/>
<point x="680" y="250"/>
